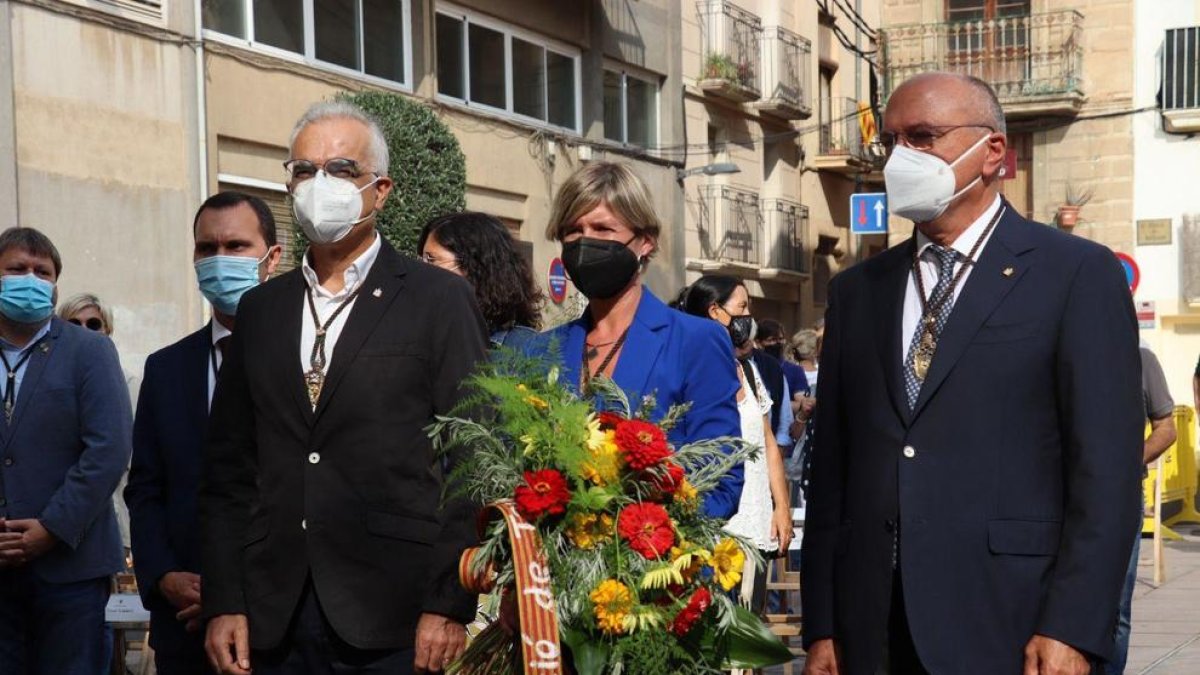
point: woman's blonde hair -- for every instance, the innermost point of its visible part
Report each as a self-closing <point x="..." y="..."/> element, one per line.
<point x="604" y="183"/>
<point x="81" y="301"/>
<point x="803" y="344"/>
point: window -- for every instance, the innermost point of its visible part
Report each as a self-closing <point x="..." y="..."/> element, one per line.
<point x="630" y="109"/>
<point x="370" y="37"/>
<point x="480" y="62"/>
<point x="1181" y="69"/>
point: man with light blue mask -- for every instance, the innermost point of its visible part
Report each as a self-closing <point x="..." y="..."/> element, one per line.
<point x="974" y="471"/>
<point x="235" y="250"/>
<point x="64" y="445"/>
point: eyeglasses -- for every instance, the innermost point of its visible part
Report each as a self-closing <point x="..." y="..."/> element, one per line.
<point x="923" y="138"/>
<point x="444" y="264"/>
<point x="91" y="324"/>
<point x="338" y="167"/>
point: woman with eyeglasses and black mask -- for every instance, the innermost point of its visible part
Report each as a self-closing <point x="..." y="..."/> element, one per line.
<point x="764" y="513"/>
<point x="604" y="218"/>
<point x="479" y="248"/>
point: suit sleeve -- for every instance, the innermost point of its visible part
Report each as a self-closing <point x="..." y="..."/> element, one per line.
<point x="104" y="429"/>
<point x="228" y="486"/>
<point x="459" y="340"/>
<point x="823" y="514"/>
<point x="711" y="385"/>
<point x="1101" y="418"/>
<point x="144" y="495"/>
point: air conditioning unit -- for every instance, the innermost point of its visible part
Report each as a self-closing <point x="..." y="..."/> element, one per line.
<point x="1180" y="91"/>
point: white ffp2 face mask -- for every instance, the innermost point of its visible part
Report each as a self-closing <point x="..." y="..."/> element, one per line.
<point x="327" y="208"/>
<point x="919" y="185"/>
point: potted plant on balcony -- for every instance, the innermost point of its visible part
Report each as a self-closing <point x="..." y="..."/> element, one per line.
<point x="718" y="66"/>
<point x="1068" y="212"/>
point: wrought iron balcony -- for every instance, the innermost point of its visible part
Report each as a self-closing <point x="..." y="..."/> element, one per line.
<point x="730" y="40"/>
<point x="1034" y="62"/>
<point x="1181" y="80"/>
<point x="841" y="147"/>
<point x="786" y="81"/>
<point x="730" y="226"/>
<point x="785" y="230"/>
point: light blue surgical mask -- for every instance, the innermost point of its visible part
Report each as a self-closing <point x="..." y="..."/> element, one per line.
<point x="26" y="298"/>
<point x="225" y="278"/>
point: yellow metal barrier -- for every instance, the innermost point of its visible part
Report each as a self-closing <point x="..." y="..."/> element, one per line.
<point x="1179" y="475"/>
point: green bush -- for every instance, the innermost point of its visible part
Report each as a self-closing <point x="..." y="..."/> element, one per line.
<point x="425" y="162"/>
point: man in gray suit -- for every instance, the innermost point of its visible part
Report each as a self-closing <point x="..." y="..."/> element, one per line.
<point x="65" y="426"/>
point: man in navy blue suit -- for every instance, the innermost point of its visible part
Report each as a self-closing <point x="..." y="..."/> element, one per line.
<point x="977" y="459"/>
<point x="64" y="444"/>
<point x="235" y="249"/>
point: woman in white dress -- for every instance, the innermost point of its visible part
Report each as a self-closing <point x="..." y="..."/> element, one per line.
<point x="764" y="514"/>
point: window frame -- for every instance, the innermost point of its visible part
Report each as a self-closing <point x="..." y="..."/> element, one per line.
<point x="470" y="18"/>
<point x="309" y="57"/>
<point x="625" y="72"/>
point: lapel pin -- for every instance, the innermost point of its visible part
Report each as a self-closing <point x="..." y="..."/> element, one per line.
<point x="378" y="292"/>
<point x="45" y="348"/>
<point x="1008" y="271"/>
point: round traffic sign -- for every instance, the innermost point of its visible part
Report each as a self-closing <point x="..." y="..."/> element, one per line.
<point x="1132" y="274"/>
<point x="557" y="281"/>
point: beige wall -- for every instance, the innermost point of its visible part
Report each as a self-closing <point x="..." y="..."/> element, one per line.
<point x="106" y="164"/>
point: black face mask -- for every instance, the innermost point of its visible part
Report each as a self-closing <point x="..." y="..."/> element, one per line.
<point x="775" y="350"/>
<point x="741" y="329"/>
<point x="600" y="268"/>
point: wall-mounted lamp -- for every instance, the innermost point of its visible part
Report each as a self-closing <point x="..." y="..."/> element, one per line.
<point x="708" y="170"/>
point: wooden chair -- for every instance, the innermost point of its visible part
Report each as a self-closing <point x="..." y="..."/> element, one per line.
<point x="788" y="623"/>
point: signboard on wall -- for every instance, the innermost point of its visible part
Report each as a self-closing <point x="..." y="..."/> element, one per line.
<point x="1154" y="232"/>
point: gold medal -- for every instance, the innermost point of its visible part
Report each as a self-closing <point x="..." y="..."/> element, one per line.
<point x="314" y="380"/>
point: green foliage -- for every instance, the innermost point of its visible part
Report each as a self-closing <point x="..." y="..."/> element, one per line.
<point x="718" y="66"/>
<point x="425" y="162"/>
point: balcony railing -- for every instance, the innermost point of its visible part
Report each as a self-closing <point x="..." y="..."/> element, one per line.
<point x="785" y="78"/>
<point x="1181" y="80"/>
<point x="785" y="234"/>
<point x="1033" y="62"/>
<point x="730" y="40"/>
<point x="730" y="227"/>
<point x="840" y="131"/>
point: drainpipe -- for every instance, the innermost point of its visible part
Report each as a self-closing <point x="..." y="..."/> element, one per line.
<point x="201" y="128"/>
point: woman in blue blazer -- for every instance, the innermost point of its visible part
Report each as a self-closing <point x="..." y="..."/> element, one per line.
<point x="608" y="229"/>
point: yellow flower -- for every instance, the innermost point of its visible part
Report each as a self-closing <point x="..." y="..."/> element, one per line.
<point x="698" y="557"/>
<point x="685" y="495"/>
<point x="727" y="561"/>
<point x="595" y="435"/>
<point x="604" y="463"/>
<point x="612" y="602"/>
<point x="588" y="530"/>
<point x="532" y="400"/>
<point x="530" y="444"/>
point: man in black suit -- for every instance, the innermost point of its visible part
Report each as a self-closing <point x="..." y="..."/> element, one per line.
<point x="979" y="432"/>
<point x="326" y="542"/>
<point x="234" y="236"/>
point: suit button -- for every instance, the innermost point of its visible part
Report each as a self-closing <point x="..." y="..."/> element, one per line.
<point x="304" y="524"/>
<point x="889" y="526"/>
<point x="314" y="457"/>
<point x="910" y="451"/>
<point x="8" y="461"/>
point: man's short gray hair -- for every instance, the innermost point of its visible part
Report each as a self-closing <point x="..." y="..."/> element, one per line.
<point x="326" y="110"/>
<point x="991" y="103"/>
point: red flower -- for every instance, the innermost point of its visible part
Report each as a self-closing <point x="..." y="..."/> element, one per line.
<point x="609" y="420"/>
<point x="544" y="492"/>
<point x="642" y="444"/>
<point x="647" y="529"/>
<point x="669" y="483"/>
<point x="697" y="605"/>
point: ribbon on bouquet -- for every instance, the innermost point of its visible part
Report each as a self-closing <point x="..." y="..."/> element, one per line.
<point x="540" y="648"/>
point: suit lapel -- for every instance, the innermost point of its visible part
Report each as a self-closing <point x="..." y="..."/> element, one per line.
<point x="990" y="281"/>
<point x="33" y="375"/>
<point x="889" y="318"/>
<point x="292" y="312"/>
<point x="379" y="289"/>
<point x="646" y="340"/>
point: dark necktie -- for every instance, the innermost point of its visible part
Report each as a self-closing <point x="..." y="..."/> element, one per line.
<point x="946" y="257"/>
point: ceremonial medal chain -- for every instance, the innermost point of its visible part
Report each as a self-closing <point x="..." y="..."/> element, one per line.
<point x="314" y="378"/>
<point x="588" y="355"/>
<point x="927" y="343"/>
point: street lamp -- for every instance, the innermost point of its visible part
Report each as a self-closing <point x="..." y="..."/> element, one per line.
<point x="708" y="170"/>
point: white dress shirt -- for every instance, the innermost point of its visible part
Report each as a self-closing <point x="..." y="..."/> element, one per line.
<point x="929" y="271"/>
<point x="215" y="357"/>
<point x="326" y="303"/>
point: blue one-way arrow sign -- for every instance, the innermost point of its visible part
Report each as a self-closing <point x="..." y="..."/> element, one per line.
<point x="868" y="213"/>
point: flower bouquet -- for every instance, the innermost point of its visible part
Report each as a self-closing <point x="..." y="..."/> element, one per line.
<point x="594" y="538"/>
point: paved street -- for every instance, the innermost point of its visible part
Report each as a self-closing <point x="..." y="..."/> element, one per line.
<point x="1166" y="620"/>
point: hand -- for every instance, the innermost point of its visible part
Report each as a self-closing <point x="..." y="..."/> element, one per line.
<point x="1047" y="656"/>
<point x="781" y="528"/>
<point x="181" y="589"/>
<point x="440" y="640"/>
<point x="228" y="644"/>
<point x="190" y="617"/>
<point x="805" y="409"/>
<point x="24" y="541"/>
<point x="821" y="658"/>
